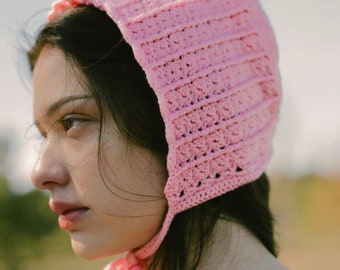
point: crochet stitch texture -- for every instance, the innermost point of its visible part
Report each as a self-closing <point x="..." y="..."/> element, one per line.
<point x="213" y="66"/>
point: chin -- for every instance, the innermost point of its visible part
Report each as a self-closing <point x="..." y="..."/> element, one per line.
<point x="87" y="250"/>
<point x="83" y="251"/>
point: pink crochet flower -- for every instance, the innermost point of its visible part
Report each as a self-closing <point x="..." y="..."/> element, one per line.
<point x="61" y="5"/>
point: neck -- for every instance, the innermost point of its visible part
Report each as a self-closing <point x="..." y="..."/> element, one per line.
<point x="234" y="247"/>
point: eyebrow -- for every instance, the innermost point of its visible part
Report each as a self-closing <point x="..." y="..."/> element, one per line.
<point x="60" y="103"/>
<point x="65" y="100"/>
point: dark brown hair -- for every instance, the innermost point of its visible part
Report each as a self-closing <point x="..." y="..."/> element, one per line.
<point x="94" y="44"/>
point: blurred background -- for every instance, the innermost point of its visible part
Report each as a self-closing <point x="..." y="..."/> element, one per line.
<point x="305" y="169"/>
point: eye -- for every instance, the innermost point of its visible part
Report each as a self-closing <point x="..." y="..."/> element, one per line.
<point x="72" y="121"/>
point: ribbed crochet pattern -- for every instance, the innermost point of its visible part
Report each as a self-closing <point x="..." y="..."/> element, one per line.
<point x="213" y="66"/>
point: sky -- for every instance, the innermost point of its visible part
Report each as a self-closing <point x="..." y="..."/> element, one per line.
<point x="308" y="133"/>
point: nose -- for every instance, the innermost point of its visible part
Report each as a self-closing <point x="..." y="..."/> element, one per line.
<point x="49" y="170"/>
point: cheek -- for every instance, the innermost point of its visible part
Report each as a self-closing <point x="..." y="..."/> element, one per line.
<point x="80" y="153"/>
<point x="107" y="234"/>
<point x="134" y="182"/>
<point x="81" y="159"/>
<point x="125" y="180"/>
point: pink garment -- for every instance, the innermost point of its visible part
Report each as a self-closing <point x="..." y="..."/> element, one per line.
<point x="119" y="264"/>
<point x="213" y="65"/>
<point x="129" y="262"/>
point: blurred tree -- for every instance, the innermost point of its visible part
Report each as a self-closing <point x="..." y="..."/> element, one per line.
<point x="24" y="221"/>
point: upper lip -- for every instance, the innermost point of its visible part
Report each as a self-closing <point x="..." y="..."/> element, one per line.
<point x="63" y="207"/>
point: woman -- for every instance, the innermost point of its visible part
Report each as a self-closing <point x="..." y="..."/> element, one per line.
<point x="157" y="118"/>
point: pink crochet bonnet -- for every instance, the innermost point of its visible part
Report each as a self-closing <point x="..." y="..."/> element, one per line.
<point x="213" y="66"/>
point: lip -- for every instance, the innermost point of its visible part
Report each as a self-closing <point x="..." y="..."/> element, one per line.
<point x="70" y="214"/>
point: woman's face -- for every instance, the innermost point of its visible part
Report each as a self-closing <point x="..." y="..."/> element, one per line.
<point x="109" y="200"/>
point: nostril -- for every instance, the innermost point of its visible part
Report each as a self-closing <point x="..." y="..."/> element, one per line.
<point x="40" y="179"/>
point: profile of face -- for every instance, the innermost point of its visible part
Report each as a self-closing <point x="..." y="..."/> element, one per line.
<point x="108" y="193"/>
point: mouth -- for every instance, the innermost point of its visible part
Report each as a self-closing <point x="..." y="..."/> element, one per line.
<point x="70" y="214"/>
<point x="70" y="218"/>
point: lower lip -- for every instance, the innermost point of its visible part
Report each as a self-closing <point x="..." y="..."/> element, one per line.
<point x="69" y="220"/>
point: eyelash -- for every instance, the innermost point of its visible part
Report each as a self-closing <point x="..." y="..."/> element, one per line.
<point x="69" y="121"/>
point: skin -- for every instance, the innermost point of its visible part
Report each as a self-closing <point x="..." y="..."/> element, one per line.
<point x="102" y="188"/>
<point x="242" y="251"/>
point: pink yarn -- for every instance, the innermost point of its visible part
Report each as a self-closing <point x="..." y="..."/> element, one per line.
<point x="129" y="262"/>
<point x="61" y="5"/>
<point x="213" y="66"/>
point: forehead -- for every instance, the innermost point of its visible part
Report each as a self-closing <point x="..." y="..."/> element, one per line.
<point x="53" y="79"/>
